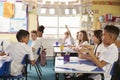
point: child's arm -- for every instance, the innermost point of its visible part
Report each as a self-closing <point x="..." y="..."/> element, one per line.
<point x="68" y="29"/>
<point x="95" y="59"/>
<point x="32" y="62"/>
<point x="2" y="54"/>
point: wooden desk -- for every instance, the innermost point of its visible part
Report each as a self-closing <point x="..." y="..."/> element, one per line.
<point x="75" y="65"/>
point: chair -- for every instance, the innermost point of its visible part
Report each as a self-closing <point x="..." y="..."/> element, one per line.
<point x="115" y="71"/>
<point x="37" y="63"/>
<point x="5" y="70"/>
<point x="25" y="63"/>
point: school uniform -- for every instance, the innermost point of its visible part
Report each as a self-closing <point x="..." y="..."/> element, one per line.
<point x="69" y="41"/>
<point x="17" y="52"/>
<point x="97" y="50"/>
<point x="109" y="55"/>
<point x="36" y="45"/>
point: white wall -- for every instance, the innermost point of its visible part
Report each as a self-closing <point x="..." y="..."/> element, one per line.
<point x="48" y="44"/>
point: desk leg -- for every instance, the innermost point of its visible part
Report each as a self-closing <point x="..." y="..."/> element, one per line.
<point x="55" y="54"/>
<point x="56" y="76"/>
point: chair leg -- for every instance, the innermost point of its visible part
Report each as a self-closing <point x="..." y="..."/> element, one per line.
<point x="30" y="67"/>
<point x="37" y="72"/>
<point x="39" y="69"/>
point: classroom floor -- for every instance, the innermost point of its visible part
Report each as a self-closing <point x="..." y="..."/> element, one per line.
<point x="47" y="72"/>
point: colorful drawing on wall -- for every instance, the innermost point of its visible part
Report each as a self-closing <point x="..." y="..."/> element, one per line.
<point x="1" y="9"/>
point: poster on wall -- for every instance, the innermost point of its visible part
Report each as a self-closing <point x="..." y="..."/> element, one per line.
<point x="1" y="9"/>
<point x="4" y="24"/>
<point x="17" y="22"/>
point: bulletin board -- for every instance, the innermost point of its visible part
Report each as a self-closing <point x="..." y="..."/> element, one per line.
<point x="18" y="20"/>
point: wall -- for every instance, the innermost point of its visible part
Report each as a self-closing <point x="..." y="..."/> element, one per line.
<point x="104" y="8"/>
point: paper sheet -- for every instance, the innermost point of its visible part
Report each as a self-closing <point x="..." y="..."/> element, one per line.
<point x="81" y="67"/>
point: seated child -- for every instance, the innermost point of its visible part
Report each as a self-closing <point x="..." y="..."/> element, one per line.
<point x="18" y="50"/>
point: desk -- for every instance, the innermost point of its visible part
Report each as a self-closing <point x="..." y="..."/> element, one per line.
<point x="57" y="50"/>
<point x="4" y="58"/>
<point x="75" y="65"/>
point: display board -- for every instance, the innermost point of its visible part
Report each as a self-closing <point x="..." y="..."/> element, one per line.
<point x="14" y="21"/>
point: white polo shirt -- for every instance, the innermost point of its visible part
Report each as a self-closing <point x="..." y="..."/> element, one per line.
<point x="69" y="41"/>
<point x="17" y="52"/>
<point x="109" y="55"/>
<point x="36" y="45"/>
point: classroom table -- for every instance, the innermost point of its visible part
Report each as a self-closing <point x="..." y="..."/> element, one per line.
<point x="57" y="50"/>
<point x="75" y="65"/>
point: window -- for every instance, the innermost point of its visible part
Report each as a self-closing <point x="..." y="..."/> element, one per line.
<point x="55" y="25"/>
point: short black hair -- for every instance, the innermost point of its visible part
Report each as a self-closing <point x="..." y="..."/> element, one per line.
<point x="112" y="30"/>
<point x="21" y="33"/>
<point x="41" y="28"/>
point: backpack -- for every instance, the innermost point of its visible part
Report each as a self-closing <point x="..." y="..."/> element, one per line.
<point x="43" y="60"/>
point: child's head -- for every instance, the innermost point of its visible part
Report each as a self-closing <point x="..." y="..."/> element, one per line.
<point x="40" y="31"/>
<point x="83" y="36"/>
<point x="97" y="36"/>
<point x="66" y="34"/>
<point x="33" y="34"/>
<point x="110" y="34"/>
<point x="22" y="36"/>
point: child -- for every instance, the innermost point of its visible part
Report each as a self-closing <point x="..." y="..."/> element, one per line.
<point x="109" y="55"/>
<point x="39" y="41"/>
<point x="82" y="40"/>
<point x="68" y="39"/>
<point x="33" y="37"/>
<point x="17" y="51"/>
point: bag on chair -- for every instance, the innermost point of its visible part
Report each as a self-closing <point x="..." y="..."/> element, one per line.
<point x="43" y="60"/>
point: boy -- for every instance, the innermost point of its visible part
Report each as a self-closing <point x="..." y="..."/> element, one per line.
<point x="33" y="37"/>
<point x="110" y="54"/>
<point x="17" y="52"/>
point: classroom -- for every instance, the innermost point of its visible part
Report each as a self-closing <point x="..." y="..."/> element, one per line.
<point x="51" y="31"/>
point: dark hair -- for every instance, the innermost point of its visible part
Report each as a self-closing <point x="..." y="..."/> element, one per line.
<point x="34" y="31"/>
<point x="112" y="30"/>
<point x="41" y="28"/>
<point x="98" y="34"/>
<point x="21" y="33"/>
<point x="85" y="36"/>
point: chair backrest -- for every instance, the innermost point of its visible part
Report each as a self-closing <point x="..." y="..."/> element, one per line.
<point x="115" y="71"/>
<point x="5" y="69"/>
<point x="39" y="51"/>
<point x="25" y="59"/>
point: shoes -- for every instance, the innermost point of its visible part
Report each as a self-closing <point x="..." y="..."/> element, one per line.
<point x="69" y="76"/>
